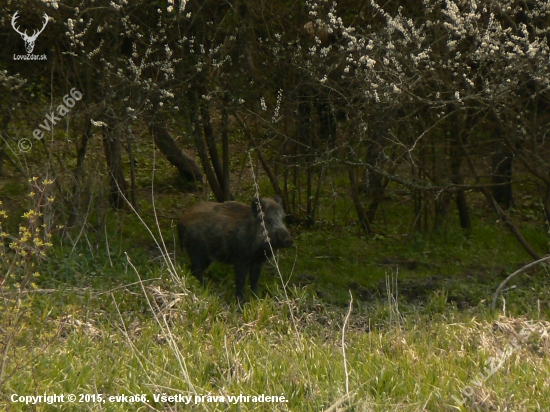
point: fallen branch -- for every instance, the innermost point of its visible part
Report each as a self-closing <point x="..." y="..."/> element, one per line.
<point x="517" y="272"/>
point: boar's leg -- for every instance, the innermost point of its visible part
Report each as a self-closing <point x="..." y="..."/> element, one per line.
<point x="198" y="266"/>
<point x="241" y="270"/>
<point x="255" y="270"/>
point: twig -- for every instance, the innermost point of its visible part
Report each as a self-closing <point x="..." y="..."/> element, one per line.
<point x="517" y="272"/>
<point x="344" y="343"/>
<point x="7" y="156"/>
<point x="166" y="330"/>
<point x="335" y="407"/>
<point x="133" y="348"/>
<point x="276" y="263"/>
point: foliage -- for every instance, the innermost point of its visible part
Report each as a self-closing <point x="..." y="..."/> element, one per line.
<point x="375" y="123"/>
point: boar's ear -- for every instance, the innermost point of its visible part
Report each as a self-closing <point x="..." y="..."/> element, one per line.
<point x="255" y="208"/>
<point x="278" y="200"/>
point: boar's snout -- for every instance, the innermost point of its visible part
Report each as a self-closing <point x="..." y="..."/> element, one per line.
<point x="288" y="242"/>
<point x="283" y="239"/>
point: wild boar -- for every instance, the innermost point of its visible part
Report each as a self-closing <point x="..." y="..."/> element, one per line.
<point x="232" y="233"/>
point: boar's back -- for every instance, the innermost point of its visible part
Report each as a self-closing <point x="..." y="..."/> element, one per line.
<point x="226" y="232"/>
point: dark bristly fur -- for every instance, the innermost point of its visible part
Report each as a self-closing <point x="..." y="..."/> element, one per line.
<point x="231" y="232"/>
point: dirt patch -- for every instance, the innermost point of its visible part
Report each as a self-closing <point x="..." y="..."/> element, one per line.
<point x="414" y="290"/>
<point x="409" y="264"/>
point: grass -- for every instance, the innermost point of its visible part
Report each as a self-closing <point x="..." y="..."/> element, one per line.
<point x="111" y="342"/>
<point x="337" y="261"/>
<point x="111" y="316"/>
<point x="92" y="328"/>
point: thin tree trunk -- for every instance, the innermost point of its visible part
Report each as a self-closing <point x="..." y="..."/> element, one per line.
<point x="546" y="205"/>
<point x="318" y="190"/>
<point x="327" y="130"/>
<point x="286" y="197"/>
<point x="79" y="170"/>
<point x="286" y="167"/>
<point x="265" y="164"/>
<point x="309" y="200"/>
<point x="225" y="150"/>
<point x="501" y="213"/>
<point x="463" y="211"/>
<point x="113" y="156"/>
<point x="210" y="176"/>
<point x="502" y="162"/>
<point x="201" y="147"/>
<point x="6" y="119"/>
<point x="295" y="197"/>
<point x="418" y="198"/>
<point x="363" y="220"/>
<point x="373" y="183"/>
<point x="133" y="187"/>
<point x="506" y="220"/>
<point x="2" y="153"/>
<point x="211" y="144"/>
<point x="456" y="155"/>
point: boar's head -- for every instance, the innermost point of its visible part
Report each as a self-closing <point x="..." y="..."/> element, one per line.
<point x="273" y="218"/>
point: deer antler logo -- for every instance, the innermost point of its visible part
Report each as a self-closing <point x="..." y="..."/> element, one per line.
<point x="29" y="40"/>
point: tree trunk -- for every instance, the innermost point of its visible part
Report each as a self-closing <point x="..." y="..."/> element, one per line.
<point x="309" y="196"/>
<point x="506" y="220"/>
<point x="501" y="163"/>
<point x="4" y="126"/>
<point x="363" y="220"/>
<point x="327" y="122"/>
<point x="133" y="185"/>
<point x="546" y="205"/>
<point x="113" y="156"/>
<point x="188" y="169"/>
<point x="265" y="165"/>
<point x="2" y="153"/>
<point x="418" y="194"/>
<point x="79" y="170"/>
<point x="463" y="211"/>
<point x="201" y="147"/>
<point x="374" y="185"/>
<point x="225" y="150"/>
<point x="307" y="139"/>
<point x="456" y="155"/>
<point x="211" y="144"/>
<point x="500" y="213"/>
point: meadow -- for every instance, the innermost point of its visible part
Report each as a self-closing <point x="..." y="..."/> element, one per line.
<point x="398" y="322"/>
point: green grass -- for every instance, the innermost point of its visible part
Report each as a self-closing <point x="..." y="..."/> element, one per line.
<point x="419" y="331"/>
<point x="468" y="265"/>
<point x="88" y="342"/>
